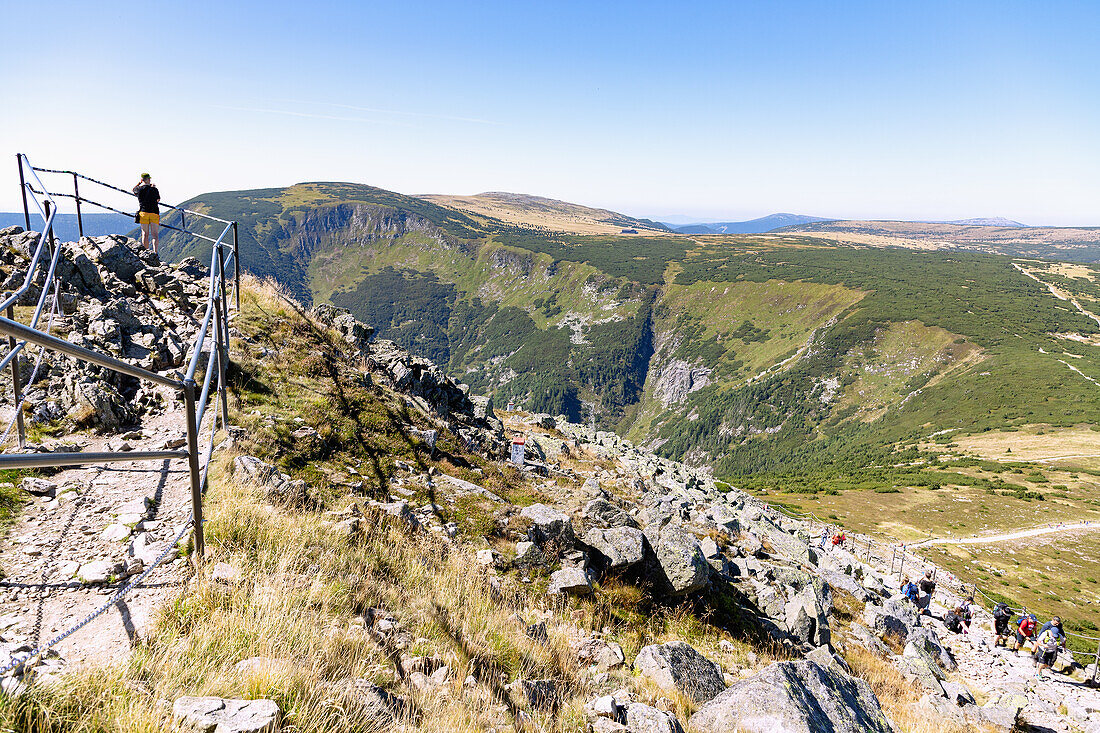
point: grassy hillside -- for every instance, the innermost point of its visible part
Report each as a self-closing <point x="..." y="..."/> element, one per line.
<point x="788" y="362"/>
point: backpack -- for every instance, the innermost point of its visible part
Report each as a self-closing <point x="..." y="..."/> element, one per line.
<point x="1001" y="611"/>
<point x="953" y="623"/>
<point x="911" y="592"/>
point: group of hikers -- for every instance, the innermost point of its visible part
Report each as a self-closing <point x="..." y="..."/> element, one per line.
<point x="1021" y="632"/>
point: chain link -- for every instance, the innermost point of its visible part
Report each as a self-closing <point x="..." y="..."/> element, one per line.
<point x="18" y="661"/>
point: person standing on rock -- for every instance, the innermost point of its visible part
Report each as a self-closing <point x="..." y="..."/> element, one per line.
<point x="148" y="211"/>
<point x="927" y="588"/>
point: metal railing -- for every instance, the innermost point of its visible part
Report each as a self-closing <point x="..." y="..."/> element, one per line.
<point x="212" y="336"/>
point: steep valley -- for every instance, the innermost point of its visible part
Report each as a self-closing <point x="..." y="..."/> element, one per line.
<point x="787" y="365"/>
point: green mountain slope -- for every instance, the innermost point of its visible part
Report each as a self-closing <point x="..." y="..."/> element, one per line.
<point x="768" y="356"/>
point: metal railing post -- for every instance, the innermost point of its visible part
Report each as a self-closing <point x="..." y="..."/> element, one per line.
<point x="224" y="298"/>
<point x="193" y="465"/>
<point x="236" y="269"/>
<point x="23" y="190"/>
<point x="1095" y="665"/>
<point x="901" y="567"/>
<point x="79" y="218"/>
<point x="220" y="347"/>
<point x="17" y="392"/>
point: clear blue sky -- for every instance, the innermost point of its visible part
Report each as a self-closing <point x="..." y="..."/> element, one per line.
<point x="723" y="109"/>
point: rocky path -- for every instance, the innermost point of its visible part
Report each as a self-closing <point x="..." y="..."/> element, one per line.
<point x="85" y="530"/>
<point x="1020" y="534"/>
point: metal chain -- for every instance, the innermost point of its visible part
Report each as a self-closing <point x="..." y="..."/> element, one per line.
<point x="18" y="661"/>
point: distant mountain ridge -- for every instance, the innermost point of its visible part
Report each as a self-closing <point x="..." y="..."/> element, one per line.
<point x="65" y="226"/>
<point x="752" y="226"/>
<point x="990" y="221"/>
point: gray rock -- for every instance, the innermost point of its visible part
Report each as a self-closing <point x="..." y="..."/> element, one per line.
<point x="96" y="572"/>
<point x="538" y="694"/>
<point x="805" y="618"/>
<point x="881" y="622"/>
<point x="618" y="547"/>
<point x="678" y="666"/>
<point x="682" y="565"/>
<point x="927" y="674"/>
<point x="38" y="486"/>
<point x="604" y="512"/>
<point x="218" y="715"/>
<point x="377" y="705"/>
<point x="549" y="526"/>
<point x="528" y="553"/>
<point x="958" y="694"/>
<point x="794" y="697"/>
<point x="114" y="254"/>
<point x="642" y="718"/>
<point x="573" y="581"/>
<point x="924" y="643"/>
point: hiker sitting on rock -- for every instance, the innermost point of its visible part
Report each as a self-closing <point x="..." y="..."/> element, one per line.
<point x="148" y="211"/>
<point x="965" y="614"/>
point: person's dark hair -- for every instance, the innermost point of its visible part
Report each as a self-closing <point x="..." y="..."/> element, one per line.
<point x="1056" y="621"/>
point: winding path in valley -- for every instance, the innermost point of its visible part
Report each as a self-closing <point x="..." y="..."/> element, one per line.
<point x="1020" y="534"/>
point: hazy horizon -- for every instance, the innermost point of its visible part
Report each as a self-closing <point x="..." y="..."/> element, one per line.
<point x="712" y="111"/>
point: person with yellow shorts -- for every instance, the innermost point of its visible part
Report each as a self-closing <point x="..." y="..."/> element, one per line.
<point x="148" y="211"/>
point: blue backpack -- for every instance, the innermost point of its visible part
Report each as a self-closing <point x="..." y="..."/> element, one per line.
<point x="911" y="591"/>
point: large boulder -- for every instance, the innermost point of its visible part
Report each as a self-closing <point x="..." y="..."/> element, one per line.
<point x="924" y="643"/>
<point x="794" y="697"/>
<point x="678" y="666"/>
<point x="617" y="548"/>
<point x="891" y="618"/>
<point x="805" y="618"/>
<point x="682" y="567"/>
<point x="549" y="526"/>
<point x="218" y="715"/>
<point x="574" y="581"/>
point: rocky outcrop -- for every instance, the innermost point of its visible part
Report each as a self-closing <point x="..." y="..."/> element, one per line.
<point x="116" y="298"/>
<point x="677" y="379"/>
<point x="794" y="697"/>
